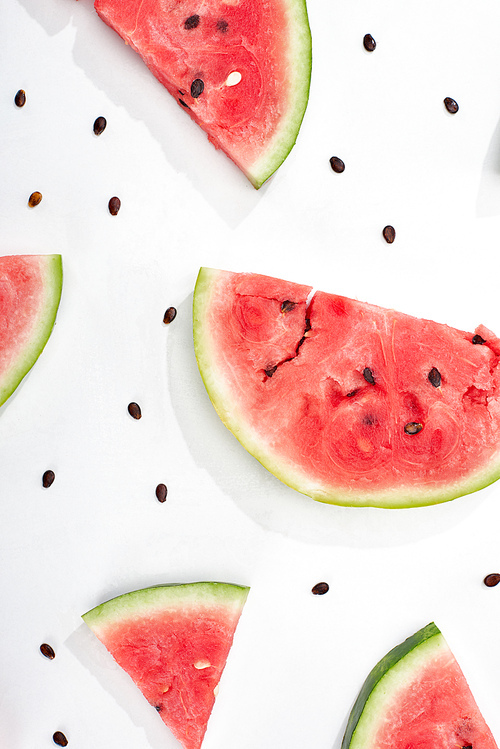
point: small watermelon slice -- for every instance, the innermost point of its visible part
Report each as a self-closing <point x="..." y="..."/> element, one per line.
<point x="347" y="402"/>
<point x="418" y="697"/>
<point x="240" y="68"/>
<point x="30" y="291"/>
<point x="173" y="640"/>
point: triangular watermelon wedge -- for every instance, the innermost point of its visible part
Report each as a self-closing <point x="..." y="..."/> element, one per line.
<point x="240" y="68"/>
<point x="347" y="402"/>
<point x="418" y="697"/>
<point x="30" y="291"/>
<point x="173" y="640"/>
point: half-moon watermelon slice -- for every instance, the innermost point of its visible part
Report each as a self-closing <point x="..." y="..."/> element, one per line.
<point x="173" y="640"/>
<point x="417" y="696"/>
<point x="240" y="68"/>
<point x="347" y="402"/>
<point x="30" y="291"/>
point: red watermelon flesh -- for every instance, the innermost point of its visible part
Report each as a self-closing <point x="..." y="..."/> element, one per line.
<point x="417" y="697"/>
<point x="348" y="402"/>
<point x="240" y="68"/>
<point x="173" y="641"/>
<point x="30" y="291"/>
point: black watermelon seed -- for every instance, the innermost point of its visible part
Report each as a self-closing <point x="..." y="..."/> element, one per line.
<point x="287" y="305"/>
<point x="222" y="25"/>
<point x="158" y="708"/>
<point x="351" y="394"/>
<point x="48" y="479"/>
<point x="134" y="410"/>
<point x="192" y="22"/>
<point x="308" y="325"/>
<point x="183" y="103"/>
<point x="337" y="164"/>
<point x="161" y="492"/>
<point x="47" y="651"/>
<point x="413" y="427"/>
<point x="368" y="375"/>
<point x="197" y="88"/>
<point x="491" y="580"/>
<point x="170" y="314"/>
<point x="271" y="370"/>
<point x="369" y="420"/>
<point x="60" y="739"/>
<point x="451" y="105"/>
<point x="434" y="377"/>
<point x="478" y="339"/>
<point x="20" y="98"/>
<point x="114" y="205"/>
<point x="389" y="234"/>
<point x="320" y="589"/>
<point x="100" y="125"/>
<point x="369" y="42"/>
<point x="34" y="199"/>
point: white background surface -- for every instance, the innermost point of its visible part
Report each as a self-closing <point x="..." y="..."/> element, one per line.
<point x="298" y="660"/>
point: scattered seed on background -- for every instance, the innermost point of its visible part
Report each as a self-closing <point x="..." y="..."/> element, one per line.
<point x="491" y="580"/>
<point x="47" y="651"/>
<point x="369" y="42"/>
<point x="451" y="105"/>
<point x="197" y="88"/>
<point x="34" y="199"/>
<point x="434" y="377"/>
<point x="134" y="410"/>
<point x="161" y="492"/>
<point x="478" y="340"/>
<point x="389" y="234"/>
<point x="20" y="98"/>
<point x="413" y="427"/>
<point x="169" y="315"/>
<point x="320" y="589"/>
<point x="114" y="205"/>
<point x="48" y="479"/>
<point x="100" y="125"/>
<point x="337" y="164"/>
<point x="60" y="739"/>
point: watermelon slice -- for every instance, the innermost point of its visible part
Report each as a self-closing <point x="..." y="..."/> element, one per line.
<point x="240" y="68"/>
<point x="30" y="290"/>
<point x="347" y="402"/>
<point x="417" y="697"/>
<point x="173" y="640"/>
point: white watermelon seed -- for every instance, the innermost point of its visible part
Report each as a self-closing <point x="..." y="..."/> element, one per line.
<point x="233" y="78"/>
<point x="202" y="664"/>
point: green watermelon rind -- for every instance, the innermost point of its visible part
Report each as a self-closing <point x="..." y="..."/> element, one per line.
<point x="52" y="278"/>
<point x="300" y="64"/>
<point x="392" y="673"/>
<point x="208" y="358"/>
<point x="172" y="596"/>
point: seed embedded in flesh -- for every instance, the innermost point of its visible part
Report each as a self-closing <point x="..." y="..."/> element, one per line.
<point x="181" y="101"/>
<point x="337" y="164"/>
<point x="100" y="125"/>
<point x="60" y="739"/>
<point x="320" y="589"/>
<point x="48" y="479"/>
<point x="20" y="98"/>
<point x="134" y="410"/>
<point x="47" y="651"/>
<point x="478" y="339"/>
<point x="233" y="78"/>
<point x="197" y="88"/>
<point x="170" y="314"/>
<point x="389" y="234"/>
<point x="201" y="664"/>
<point x="434" y="377"/>
<point x="114" y="205"/>
<point x="368" y="375"/>
<point x="34" y="199"/>
<point x="369" y="42"/>
<point x="192" y="22"/>
<point x="287" y="305"/>
<point x="271" y="370"/>
<point x="413" y="427"/>
<point x="161" y="492"/>
<point x="491" y="580"/>
<point x="222" y="25"/>
<point x="451" y="105"/>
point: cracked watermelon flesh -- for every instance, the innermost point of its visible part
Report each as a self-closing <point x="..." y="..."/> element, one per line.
<point x="347" y="402"/>
<point x="30" y="290"/>
<point x="173" y="640"/>
<point x="417" y="697"/>
<point x="264" y="43"/>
